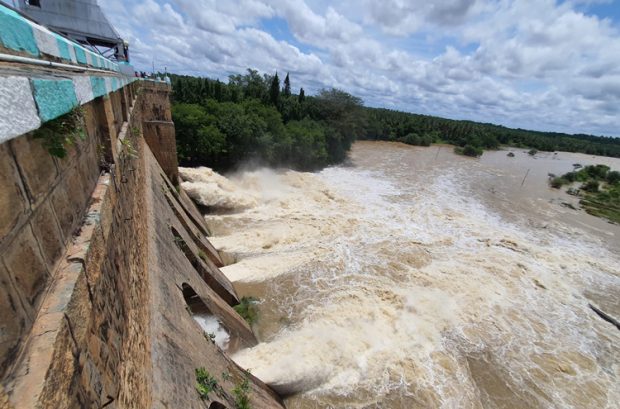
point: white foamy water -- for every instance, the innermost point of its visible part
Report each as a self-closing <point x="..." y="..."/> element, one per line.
<point x="212" y="327"/>
<point x="397" y="283"/>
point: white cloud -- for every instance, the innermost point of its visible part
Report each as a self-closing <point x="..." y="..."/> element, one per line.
<point x="405" y="17"/>
<point x="528" y="63"/>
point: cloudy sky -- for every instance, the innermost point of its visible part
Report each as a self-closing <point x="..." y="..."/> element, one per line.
<point x="536" y="64"/>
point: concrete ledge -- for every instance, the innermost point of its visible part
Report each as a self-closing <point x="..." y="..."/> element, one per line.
<point x="33" y="90"/>
<point x="60" y="325"/>
<point x="25" y="37"/>
<point x="28" y="101"/>
<point x="179" y="343"/>
<point x="199" y="239"/>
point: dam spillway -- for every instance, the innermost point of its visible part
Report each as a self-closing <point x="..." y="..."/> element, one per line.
<point x="102" y="255"/>
<point x="412" y="277"/>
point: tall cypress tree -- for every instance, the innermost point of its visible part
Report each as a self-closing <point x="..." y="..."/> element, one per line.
<point x="302" y="95"/>
<point x="218" y="91"/>
<point x="287" y="86"/>
<point x="274" y="92"/>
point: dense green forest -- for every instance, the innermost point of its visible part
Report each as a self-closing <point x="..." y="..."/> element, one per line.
<point x="258" y="118"/>
<point x="473" y="137"/>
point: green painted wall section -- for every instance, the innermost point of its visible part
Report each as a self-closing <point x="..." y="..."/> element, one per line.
<point x="80" y="54"/>
<point x="54" y="97"/>
<point x="98" y="84"/>
<point x="16" y="33"/>
<point x="63" y="48"/>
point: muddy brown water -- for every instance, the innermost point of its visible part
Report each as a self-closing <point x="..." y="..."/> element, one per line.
<point x="416" y="278"/>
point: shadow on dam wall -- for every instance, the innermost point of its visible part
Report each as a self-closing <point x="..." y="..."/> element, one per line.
<point x="104" y="264"/>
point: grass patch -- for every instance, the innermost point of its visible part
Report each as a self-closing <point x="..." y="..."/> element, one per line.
<point x="205" y="383"/>
<point x="62" y="132"/>
<point x="247" y="309"/>
<point x="241" y="392"/>
<point x="129" y="149"/>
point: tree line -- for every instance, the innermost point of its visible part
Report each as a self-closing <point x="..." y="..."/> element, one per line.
<point x="473" y="137"/>
<point x="256" y="117"/>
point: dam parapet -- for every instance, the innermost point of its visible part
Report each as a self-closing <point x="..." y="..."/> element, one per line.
<point x="105" y="264"/>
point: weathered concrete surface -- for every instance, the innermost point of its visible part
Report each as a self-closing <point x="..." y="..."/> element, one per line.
<point x="12" y="194"/>
<point x="43" y="200"/>
<point x="212" y="259"/>
<point x="36" y="166"/>
<point x="161" y="139"/>
<point x="83" y="89"/>
<point x="17" y="102"/>
<point x="159" y="130"/>
<point x="22" y="36"/>
<point x="27" y="266"/>
<point x="193" y="214"/>
<point x="21" y="317"/>
<point x="87" y="346"/>
<point x="179" y="344"/>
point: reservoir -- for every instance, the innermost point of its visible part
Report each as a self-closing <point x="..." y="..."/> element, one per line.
<point x="411" y="277"/>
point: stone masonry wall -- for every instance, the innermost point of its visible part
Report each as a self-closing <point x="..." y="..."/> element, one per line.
<point x="159" y="130"/>
<point x="74" y="311"/>
<point x="104" y="260"/>
<point x="99" y="253"/>
<point x="42" y="200"/>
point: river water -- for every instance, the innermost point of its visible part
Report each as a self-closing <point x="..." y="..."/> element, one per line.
<point x="415" y="278"/>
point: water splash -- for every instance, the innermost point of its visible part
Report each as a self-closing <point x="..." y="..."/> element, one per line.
<point x="386" y="286"/>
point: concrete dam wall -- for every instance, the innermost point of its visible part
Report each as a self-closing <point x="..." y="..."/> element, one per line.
<point x="105" y="262"/>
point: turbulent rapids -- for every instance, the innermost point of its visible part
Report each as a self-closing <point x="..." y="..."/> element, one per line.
<point x="417" y="279"/>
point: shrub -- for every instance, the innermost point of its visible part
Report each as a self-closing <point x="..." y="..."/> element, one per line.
<point x="597" y="171"/>
<point x="241" y="390"/>
<point x="570" y="176"/>
<point x="557" y="182"/>
<point x="613" y="177"/>
<point x="205" y="383"/>
<point x="209" y="336"/>
<point x="590" y="186"/>
<point x="62" y="132"/>
<point x="469" y="150"/>
<point x="247" y="309"/>
<point x="426" y="140"/>
<point x="412" y="139"/>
